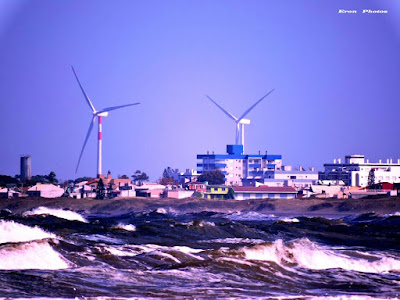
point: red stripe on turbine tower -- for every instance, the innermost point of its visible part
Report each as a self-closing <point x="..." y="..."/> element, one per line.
<point x="100" y="129"/>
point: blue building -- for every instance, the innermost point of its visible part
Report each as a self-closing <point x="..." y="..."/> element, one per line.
<point x="237" y="166"/>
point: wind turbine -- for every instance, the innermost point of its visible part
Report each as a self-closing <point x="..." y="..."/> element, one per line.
<point x="96" y="114"/>
<point x="241" y="121"/>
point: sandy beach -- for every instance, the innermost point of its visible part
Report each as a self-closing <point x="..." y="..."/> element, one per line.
<point x="117" y="206"/>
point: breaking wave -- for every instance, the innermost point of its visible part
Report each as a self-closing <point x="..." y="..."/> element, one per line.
<point x="307" y="254"/>
<point x="11" y="232"/>
<point x="127" y="227"/>
<point x="31" y="255"/>
<point x="59" y="213"/>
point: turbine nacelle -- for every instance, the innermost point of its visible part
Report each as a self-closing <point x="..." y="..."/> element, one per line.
<point x="101" y="114"/>
<point x="244" y="121"/>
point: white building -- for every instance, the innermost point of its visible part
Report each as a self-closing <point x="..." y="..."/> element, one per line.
<point x="355" y="170"/>
<point x="298" y="178"/>
<point x="45" y="191"/>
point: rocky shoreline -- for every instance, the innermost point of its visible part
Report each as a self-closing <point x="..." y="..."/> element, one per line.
<point x="309" y="207"/>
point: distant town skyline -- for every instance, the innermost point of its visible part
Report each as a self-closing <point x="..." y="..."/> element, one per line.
<point x="335" y="77"/>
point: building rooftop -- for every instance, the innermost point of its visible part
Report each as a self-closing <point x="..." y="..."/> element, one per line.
<point x="260" y="189"/>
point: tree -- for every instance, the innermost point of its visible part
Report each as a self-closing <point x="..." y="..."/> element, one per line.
<point x="100" y="190"/>
<point x="371" y="177"/>
<point x="167" y="181"/>
<point x="212" y="177"/>
<point x="123" y="177"/>
<point x="37" y="179"/>
<point x="52" y="177"/>
<point x="5" y="180"/>
<point x="140" y="177"/>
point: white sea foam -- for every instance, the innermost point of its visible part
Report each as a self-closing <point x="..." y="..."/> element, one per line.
<point x="187" y="250"/>
<point x="11" y="232"/>
<point x="290" y="220"/>
<point x="349" y="297"/>
<point x="307" y="254"/>
<point x="32" y="255"/>
<point x="206" y="223"/>
<point x="234" y="241"/>
<point x="127" y="227"/>
<point x="161" y="210"/>
<point x="118" y="251"/>
<point x="102" y="238"/>
<point x="59" y="213"/>
<point x="151" y="249"/>
<point x="396" y="214"/>
<point x="251" y="216"/>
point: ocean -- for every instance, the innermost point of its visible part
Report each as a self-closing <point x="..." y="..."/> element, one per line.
<point x="49" y="253"/>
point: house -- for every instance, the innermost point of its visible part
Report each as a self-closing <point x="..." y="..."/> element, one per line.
<point x="45" y="190"/>
<point x="264" y="192"/>
<point x="217" y="192"/>
<point x="189" y="175"/>
<point x="150" y="190"/>
<point x="178" y="194"/>
<point x="82" y="190"/>
<point x="9" y="193"/>
<point x="196" y="186"/>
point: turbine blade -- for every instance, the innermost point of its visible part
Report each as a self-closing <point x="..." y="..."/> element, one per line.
<point x="254" y="105"/>
<point x="116" y="107"/>
<point x="83" y="91"/>
<point x="86" y="139"/>
<point x="225" y="112"/>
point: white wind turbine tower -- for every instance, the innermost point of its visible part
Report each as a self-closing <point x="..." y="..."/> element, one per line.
<point x="240" y="122"/>
<point x="96" y="114"/>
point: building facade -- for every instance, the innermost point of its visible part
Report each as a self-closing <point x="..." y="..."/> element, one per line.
<point x="236" y="166"/>
<point x="298" y="178"/>
<point x="264" y="192"/>
<point x="356" y="169"/>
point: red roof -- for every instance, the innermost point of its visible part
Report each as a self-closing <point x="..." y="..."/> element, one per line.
<point x="92" y="181"/>
<point x="260" y="189"/>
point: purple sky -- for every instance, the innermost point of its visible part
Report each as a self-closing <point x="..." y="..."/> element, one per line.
<point x="336" y="78"/>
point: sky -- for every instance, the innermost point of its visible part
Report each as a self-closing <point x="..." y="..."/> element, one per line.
<point x="336" y="80"/>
